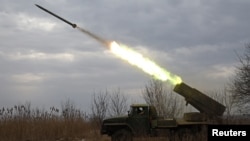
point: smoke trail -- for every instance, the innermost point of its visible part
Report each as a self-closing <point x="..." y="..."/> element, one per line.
<point x="99" y="39"/>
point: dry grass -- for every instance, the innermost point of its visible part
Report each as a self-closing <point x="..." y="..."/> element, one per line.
<point x="22" y="123"/>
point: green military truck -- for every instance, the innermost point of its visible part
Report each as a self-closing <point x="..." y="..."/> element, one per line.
<point x="142" y="119"/>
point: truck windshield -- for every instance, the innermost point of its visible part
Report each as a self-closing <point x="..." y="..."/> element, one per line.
<point x="130" y="112"/>
<point x="136" y="111"/>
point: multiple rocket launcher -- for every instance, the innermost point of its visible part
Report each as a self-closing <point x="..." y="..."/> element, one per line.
<point x="200" y="101"/>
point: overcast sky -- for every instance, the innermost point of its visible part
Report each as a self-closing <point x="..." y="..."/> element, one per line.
<point x="45" y="61"/>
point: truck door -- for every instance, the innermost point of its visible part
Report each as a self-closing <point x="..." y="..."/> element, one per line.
<point x="139" y="120"/>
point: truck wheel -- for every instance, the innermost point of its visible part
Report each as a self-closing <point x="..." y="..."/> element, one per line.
<point x="122" y="135"/>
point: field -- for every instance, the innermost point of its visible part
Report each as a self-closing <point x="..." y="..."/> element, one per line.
<point x="21" y="123"/>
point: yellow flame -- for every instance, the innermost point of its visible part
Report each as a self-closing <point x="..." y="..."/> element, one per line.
<point x="143" y="63"/>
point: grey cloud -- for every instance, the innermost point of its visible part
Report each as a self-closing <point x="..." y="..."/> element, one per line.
<point x="194" y="39"/>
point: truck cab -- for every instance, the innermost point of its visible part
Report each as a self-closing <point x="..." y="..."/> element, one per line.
<point x="141" y="120"/>
<point x="136" y="121"/>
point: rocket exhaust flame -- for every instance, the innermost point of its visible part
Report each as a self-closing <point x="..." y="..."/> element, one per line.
<point x="126" y="53"/>
<point x="145" y="64"/>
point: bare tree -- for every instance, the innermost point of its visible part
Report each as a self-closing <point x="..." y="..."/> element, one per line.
<point x="69" y="110"/>
<point x="118" y="103"/>
<point x="224" y="97"/>
<point x="167" y="103"/>
<point x="107" y="103"/>
<point x="228" y="101"/>
<point x="240" y="85"/>
<point x="99" y="108"/>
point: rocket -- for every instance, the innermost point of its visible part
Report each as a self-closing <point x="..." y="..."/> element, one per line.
<point x="66" y="21"/>
<point x="99" y="39"/>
